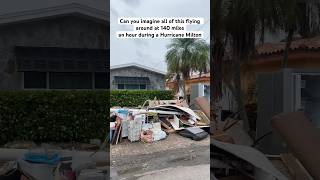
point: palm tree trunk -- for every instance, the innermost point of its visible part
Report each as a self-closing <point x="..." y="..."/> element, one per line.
<point x="238" y="95"/>
<point x="180" y="84"/>
<point x="216" y="62"/>
<point x="285" y="60"/>
<point x="185" y="91"/>
<point x="217" y="69"/>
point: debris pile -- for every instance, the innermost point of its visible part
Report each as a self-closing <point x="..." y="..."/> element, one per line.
<point x="156" y="121"/>
<point x="234" y="156"/>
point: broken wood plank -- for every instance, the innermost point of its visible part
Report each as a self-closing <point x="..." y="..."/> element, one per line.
<point x="118" y="135"/>
<point x="165" y="125"/>
<point x="296" y="170"/>
<point x="169" y="131"/>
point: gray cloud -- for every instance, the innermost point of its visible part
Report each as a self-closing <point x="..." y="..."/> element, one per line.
<point x="142" y="55"/>
<point x="151" y="52"/>
<point x="141" y="42"/>
<point x="114" y="12"/>
<point x="132" y="3"/>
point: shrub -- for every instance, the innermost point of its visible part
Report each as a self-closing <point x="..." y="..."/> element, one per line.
<point x="53" y="115"/>
<point x="63" y="116"/>
<point x="132" y="98"/>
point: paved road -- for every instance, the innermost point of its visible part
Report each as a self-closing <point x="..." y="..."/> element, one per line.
<point x="198" y="172"/>
<point x="130" y="167"/>
<point x="174" y="154"/>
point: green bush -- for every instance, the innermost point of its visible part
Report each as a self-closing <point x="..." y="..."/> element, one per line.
<point x="60" y="116"/>
<point x="132" y="98"/>
<point x="63" y="116"/>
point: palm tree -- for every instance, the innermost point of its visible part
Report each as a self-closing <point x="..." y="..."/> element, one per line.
<point x="235" y="24"/>
<point x="185" y="56"/>
<point x="300" y="16"/>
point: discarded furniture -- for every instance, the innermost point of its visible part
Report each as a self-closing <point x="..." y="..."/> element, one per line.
<point x="194" y="133"/>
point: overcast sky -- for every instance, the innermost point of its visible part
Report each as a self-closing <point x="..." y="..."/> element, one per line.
<point x="151" y="52"/>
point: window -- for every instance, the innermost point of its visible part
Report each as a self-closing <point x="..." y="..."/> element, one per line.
<point x="101" y="81"/>
<point x="207" y="91"/>
<point x="132" y="86"/>
<point x="63" y="68"/>
<point x="143" y="86"/>
<point x="66" y="80"/>
<point x="35" y="80"/>
<point x="120" y="86"/>
<point x="126" y="82"/>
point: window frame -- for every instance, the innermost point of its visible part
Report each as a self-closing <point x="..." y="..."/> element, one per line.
<point x="93" y="87"/>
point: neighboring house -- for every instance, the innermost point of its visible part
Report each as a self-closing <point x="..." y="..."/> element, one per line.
<point x="303" y="54"/>
<point x="61" y="44"/>
<point x="197" y="85"/>
<point x="193" y="80"/>
<point x="136" y="76"/>
<point x="296" y="88"/>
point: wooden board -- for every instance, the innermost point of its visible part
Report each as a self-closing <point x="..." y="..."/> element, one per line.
<point x="166" y="126"/>
<point x="296" y="170"/>
<point x="118" y="135"/>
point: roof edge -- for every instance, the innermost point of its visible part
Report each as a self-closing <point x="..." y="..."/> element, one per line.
<point x="54" y="11"/>
<point x="138" y="66"/>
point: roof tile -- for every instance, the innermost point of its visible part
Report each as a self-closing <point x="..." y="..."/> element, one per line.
<point x="273" y="48"/>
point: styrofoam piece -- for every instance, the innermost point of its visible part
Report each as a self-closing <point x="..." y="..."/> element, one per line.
<point x="156" y="126"/>
<point x="146" y="126"/>
<point x="134" y="130"/>
<point x="158" y="135"/>
<point x="125" y="128"/>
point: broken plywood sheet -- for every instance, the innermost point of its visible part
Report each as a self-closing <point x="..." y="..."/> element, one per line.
<point x="179" y="108"/>
<point x="203" y="118"/>
<point x="239" y="135"/>
<point x="153" y="103"/>
<point x="251" y="155"/>
<point x="301" y="137"/>
<point x="175" y="123"/>
<point x="145" y="111"/>
<point x="296" y="170"/>
<point x="204" y="105"/>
